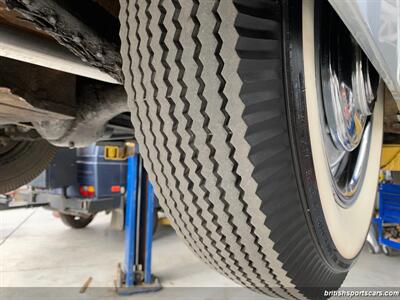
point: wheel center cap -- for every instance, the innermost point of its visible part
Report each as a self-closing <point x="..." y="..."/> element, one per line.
<point x="351" y="99"/>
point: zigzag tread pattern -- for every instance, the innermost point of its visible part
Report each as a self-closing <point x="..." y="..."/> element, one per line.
<point x="204" y="85"/>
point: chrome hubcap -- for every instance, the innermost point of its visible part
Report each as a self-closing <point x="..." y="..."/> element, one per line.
<point x="350" y="99"/>
<point x="348" y="85"/>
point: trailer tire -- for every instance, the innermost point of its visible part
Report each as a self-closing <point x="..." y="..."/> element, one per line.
<point x="76" y="222"/>
<point x="218" y="100"/>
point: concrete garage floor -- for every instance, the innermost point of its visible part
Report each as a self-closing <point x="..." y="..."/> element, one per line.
<point x="39" y="252"/>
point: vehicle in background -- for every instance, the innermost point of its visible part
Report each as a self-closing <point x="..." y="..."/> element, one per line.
<point x="80" y="183"/>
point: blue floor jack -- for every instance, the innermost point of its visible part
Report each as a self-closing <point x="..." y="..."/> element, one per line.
<point x="136" y="277"/>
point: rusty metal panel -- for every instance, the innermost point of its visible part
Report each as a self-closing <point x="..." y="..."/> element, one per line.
<point x="14" y="109"/>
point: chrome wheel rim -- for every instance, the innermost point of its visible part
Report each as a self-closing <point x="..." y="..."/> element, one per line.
<point x="349" y="84"/>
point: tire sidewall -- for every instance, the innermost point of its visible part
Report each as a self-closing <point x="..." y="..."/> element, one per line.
<point x="338" y="239"/>
<point x="23" y="163"/>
